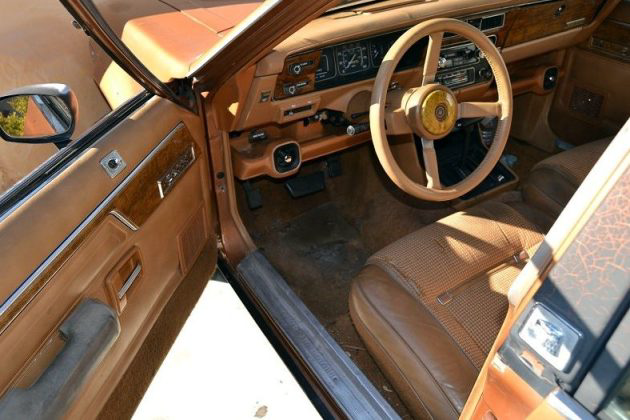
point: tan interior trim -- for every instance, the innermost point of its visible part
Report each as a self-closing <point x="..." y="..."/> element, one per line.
<point x="257" y="160"/>
<point x="141" y="182"/>
<point x="235" y="240"/>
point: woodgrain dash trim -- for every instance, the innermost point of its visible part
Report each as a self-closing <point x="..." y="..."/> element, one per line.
<point x="136" y="198"/>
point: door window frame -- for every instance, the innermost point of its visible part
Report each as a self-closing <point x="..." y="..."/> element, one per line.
<point x="28" y="186"/>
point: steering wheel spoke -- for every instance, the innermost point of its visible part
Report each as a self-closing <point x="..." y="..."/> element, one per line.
<point x="431" y="164"/>
<point x="431" y="60"/>
<point x="395" y="118"/>
<point x="396" y="122"/>
<point x="478" y="109"/>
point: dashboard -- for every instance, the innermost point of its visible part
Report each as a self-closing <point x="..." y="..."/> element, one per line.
<point x="461" y="63"/>
<point x="312" y="92"/>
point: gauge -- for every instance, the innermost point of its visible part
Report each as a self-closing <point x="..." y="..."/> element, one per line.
<point x="326" y="68"/>
<point x="376" y="53"/>
<point x="379" y="47"/>
<point x="352" y="58"/>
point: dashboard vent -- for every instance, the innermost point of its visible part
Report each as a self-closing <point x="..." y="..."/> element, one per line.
<point x="485" y="23"/>
<point x="476" y="22"/>
<point x="492" y="22"/>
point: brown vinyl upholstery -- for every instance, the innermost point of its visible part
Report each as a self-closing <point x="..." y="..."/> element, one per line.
<point x="429" y="306"/>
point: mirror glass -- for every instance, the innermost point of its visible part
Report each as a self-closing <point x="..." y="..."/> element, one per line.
<point x="27" y="116"/>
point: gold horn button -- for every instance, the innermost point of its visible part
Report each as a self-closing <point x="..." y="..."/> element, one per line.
<point x="439" y="112"/>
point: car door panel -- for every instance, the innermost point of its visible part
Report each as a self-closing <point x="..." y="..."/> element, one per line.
<point x="89" y="332"/>
<point x="83" y="234"/>
<point x="591" y="101"/>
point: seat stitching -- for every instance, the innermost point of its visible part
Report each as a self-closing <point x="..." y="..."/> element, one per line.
<point x="473" y="337"/>
<point x="498" y="225"/>
<point x="533" y="222"/>
<point x="390" y="268"/>
<point x="376" y="310"/>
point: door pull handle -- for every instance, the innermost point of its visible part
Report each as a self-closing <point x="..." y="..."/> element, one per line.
<point x="129" y="282"/>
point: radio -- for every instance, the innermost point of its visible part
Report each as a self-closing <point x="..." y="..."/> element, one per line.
<point x="462" y="65"/>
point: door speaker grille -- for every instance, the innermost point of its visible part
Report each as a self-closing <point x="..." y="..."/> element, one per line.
<point x="192" y="239"/>
<point x="586" y="102"/>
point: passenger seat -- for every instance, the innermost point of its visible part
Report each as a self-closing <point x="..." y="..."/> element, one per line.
<point x="553" y="181"/>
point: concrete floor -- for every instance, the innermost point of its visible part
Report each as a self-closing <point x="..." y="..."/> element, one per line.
<point x="222" y="366"/>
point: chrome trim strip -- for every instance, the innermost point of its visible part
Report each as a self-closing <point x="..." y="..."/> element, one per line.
<point x="75" y="233"/>
<point x="619" y="22"/>
<point x="124" y="220"/>
<point x="575" y="22"/>
<point x="129" y="282"/>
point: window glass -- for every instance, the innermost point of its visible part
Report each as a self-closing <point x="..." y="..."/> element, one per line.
<point x="39" y="45"/>
<point x="619" y="406"/>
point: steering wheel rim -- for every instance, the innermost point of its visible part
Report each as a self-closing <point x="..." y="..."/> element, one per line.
<point x="431" y="110"/>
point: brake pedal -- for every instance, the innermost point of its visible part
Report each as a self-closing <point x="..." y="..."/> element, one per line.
<point x="304" y="185"/>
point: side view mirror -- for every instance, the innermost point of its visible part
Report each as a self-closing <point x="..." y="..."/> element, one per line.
<point x="44" y="113"/>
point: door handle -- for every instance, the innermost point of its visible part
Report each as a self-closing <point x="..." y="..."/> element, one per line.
<point x="129" y="282"/>
<point x="123" y="278"/>
<point x="89" y="332"/>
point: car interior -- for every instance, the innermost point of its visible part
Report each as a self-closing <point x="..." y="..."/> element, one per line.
<point x="397" y="163"/>
<point x="413" y="289"/>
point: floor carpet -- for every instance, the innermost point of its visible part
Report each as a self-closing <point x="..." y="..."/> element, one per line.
<point x="319" y="254"/>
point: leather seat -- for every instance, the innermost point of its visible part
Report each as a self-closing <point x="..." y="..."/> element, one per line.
<point x="429" y="306"/>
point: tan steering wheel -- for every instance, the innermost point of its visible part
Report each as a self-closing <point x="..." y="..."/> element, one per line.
<point x="431" y="110"/>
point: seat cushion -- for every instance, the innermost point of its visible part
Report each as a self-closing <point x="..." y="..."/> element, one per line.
<point x="430" y="305"/>
<point x="553" y="181"/>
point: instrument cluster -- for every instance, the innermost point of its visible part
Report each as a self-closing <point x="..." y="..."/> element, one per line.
<point x="461" y="62"/>
<point x="359" y="60"/>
